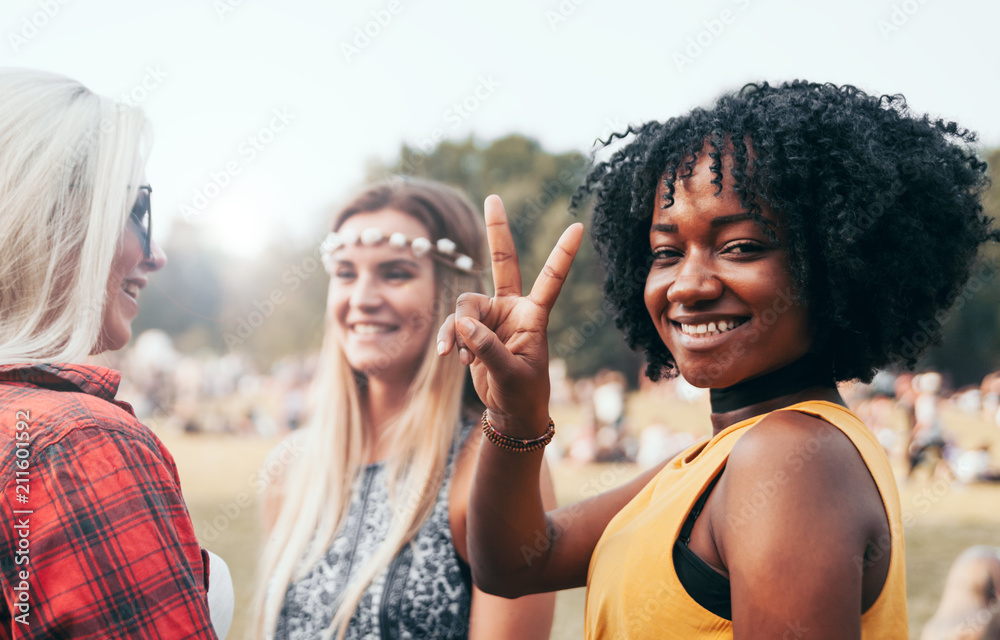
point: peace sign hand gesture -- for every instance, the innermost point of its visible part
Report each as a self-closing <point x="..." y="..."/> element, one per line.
<point x="503" y="338"/>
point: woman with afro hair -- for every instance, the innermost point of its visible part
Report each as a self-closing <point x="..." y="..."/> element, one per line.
<point x="785" y="239"/>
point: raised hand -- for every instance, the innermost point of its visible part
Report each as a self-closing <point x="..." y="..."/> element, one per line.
<point x="503" y="338"/>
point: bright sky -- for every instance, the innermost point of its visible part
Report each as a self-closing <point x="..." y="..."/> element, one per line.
<point x="270" y="109"/>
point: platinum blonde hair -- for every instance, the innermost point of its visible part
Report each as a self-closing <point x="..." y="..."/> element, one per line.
<point x="317" y="487"/>
<point x="70" y="164"/>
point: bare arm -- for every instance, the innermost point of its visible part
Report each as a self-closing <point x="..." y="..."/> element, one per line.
<point x="526" y="618"/>
<point x="515" y="546"/>
<point x="529" y="550"/>
<point x="796" y="561"/>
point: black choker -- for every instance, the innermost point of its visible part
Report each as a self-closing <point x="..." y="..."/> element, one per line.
<point x="808" y="371"/>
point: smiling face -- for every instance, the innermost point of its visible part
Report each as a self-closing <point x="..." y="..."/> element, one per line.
<point x="381" y="298"/>
<point x="129" y="271"/>
<point x="719" y="292"/>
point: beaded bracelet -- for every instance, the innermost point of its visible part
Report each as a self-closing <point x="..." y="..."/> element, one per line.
<point x="516" y="445"/>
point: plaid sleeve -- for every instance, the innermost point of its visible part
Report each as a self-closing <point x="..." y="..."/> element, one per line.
<point x="112" y="550"/>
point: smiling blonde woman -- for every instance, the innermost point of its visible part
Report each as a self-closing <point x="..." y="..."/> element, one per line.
<point x="367" y="528"/>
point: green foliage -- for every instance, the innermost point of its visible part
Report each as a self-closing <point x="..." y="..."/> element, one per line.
<point x="208" y="301"/>
<point x="535" y="186"/>
<point x="266" y="308"/>
<point x="971" y="331"/>
<point x="184" y="299"/>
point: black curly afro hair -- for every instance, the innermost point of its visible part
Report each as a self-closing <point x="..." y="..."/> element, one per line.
<point x="882" y="210"/>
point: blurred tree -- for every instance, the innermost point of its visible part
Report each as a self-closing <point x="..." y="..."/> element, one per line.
<point x="535" y="186"/>
<point x="273" y="305"/>
<point x="184" y="299"/>
<point x="266" y="307"/>
<point x="970" y="347"/>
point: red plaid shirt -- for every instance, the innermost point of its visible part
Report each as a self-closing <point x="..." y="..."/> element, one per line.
<point x="95" y="539"/>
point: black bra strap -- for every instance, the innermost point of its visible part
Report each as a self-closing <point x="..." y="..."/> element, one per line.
<point x="685" y="536"/>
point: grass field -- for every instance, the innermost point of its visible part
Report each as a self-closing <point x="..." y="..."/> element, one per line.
<point x="218" y="473"/>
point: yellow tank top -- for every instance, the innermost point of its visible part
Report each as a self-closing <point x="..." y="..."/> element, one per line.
<point x="632" y="588"/>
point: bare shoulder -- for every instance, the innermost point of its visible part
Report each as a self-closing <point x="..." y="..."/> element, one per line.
<point x="793" y="465"/>
<point x="800" y="444"/>
<point x="797" y="493"/>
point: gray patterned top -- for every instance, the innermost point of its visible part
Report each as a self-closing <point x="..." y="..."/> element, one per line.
<point x="424" y="593"/>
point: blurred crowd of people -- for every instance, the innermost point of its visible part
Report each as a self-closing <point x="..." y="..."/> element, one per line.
<point x="905" y="411"/>
<point x="228" y="394"/>
<point x="211" y="393"/>
<point x="605" y="431"/>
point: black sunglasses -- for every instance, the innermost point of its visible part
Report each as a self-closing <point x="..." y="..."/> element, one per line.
<point x="142" y="213"/>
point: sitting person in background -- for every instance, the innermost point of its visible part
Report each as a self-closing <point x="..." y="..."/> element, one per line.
<point x="975" y="465"/>
<point x="970" y="604"/>
<point x="927" y="440"/>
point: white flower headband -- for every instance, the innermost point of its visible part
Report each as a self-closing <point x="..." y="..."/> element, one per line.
<point x="444" y="249"/>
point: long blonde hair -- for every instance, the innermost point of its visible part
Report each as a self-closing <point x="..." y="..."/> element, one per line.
<point x="317" y="489"/>
<point x="70" y="164"/>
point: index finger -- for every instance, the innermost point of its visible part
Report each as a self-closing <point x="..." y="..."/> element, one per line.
<point x="550" y="281"/>
<point x="503" y="255"/>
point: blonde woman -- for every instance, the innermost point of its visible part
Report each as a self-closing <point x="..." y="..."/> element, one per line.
<point x="95" y="536"/>
<point x="366" y="531"/>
